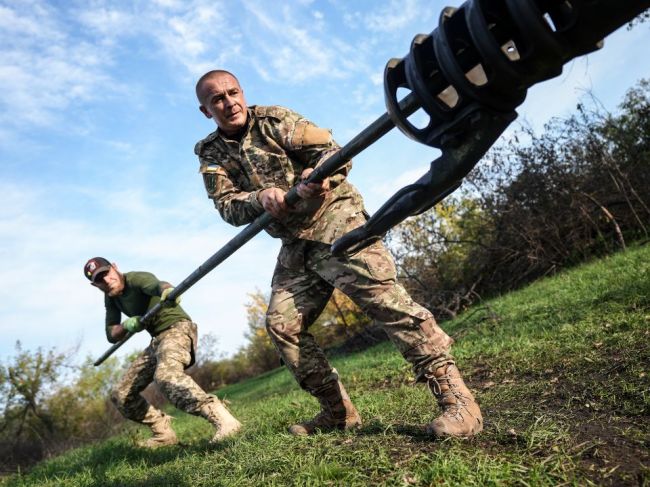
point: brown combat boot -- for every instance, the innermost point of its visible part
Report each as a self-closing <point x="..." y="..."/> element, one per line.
<point x="160" y="424"/>
<point x="337" y="412"/>
<point x="224" y="422"/>
<point x="461" y="415"/>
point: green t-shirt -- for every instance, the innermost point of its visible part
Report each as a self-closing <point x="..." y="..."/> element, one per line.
<point x="141" y="292"/>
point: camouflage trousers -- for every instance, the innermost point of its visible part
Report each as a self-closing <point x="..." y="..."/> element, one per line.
<point x="301" y="289"/>
<point x="163" y="361"/>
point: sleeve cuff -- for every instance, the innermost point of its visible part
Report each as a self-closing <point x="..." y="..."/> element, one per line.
<point x="255" y="203"/>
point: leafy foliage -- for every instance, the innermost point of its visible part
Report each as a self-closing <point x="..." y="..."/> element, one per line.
<point x="340" y="321"/>
<point x="25" y="382"/>
<point x="578" y="191"/>
<point x="43" y="415"/>
<point x="82" y="409"/>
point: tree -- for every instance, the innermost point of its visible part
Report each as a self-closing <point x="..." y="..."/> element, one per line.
<point x="26" y="425"/>
<point x="205" y="371"/>
<point x="340" y="320"/>
<point x="82" y="411"/>
<point x="432" y="253"/>
<point x="25" y="382"/>
<point x="260" y="351"/>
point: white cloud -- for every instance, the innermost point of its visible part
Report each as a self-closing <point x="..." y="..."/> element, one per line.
<point x="394" y="16"/>
<point x="108" y="22"/>
<point x="390" y="17"/>
<point x="170" y="4"/>
<point x="34" y="21"/>
<point x="58" y="60"/>
<point x="189" y="34"/>
<point x="291" y="52"/>
<point x="198" y="37"/>
<point x="44" y="70"/>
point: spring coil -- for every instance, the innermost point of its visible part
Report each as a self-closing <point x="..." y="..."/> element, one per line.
<point x="484" y="54"/>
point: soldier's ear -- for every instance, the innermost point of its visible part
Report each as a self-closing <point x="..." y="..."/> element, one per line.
<point x="205" y="111"/>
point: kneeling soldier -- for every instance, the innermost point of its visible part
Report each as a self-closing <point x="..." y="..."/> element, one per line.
<point x="171" y="351"/>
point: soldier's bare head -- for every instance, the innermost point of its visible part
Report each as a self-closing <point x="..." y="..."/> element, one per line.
<point x="222" y="99"/>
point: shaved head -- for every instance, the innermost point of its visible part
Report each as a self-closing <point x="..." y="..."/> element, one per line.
<point x="215" y="73"/>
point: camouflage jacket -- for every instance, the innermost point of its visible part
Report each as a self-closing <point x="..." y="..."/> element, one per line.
<point x="277" y="145"/>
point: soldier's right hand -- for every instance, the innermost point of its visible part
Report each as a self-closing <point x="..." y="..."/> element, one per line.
<point x="165" y="293"/>
<point x="133" y="324"/>
<point x="272" y="199"/>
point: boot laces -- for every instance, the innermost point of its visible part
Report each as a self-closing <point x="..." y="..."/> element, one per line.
<point x="449" y="409"/>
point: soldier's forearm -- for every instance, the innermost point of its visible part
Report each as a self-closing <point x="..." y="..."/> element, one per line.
<point x="116" y="333"/>
<point x="238" y="211"/>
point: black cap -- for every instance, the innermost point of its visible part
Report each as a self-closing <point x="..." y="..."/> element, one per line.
<point x="94" y="266"/>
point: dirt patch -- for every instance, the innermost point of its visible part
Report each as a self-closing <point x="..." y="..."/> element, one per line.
<point x="615" y="451"/>
<point x="609" y="446"/>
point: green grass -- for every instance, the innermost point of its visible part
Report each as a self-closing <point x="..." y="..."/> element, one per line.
<point x="560" y="369"/>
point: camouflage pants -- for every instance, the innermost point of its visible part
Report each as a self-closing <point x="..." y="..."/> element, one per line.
<point x="163" y="361"/>
<point x="301" y="289"/>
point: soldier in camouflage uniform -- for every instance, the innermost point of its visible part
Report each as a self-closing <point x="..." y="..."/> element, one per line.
<point x="257" y="154"/>
<point x="171" y="351"/>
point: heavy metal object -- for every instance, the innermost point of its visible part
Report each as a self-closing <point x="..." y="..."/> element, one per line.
<point x="468" y="75"/>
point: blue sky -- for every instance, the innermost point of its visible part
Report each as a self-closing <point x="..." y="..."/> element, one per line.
<point x="98" y="122"/>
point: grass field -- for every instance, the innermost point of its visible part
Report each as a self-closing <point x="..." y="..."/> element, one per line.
<point x="560" y="369"/>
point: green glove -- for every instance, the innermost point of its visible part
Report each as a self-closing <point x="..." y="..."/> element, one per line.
<point x="165" y="293"/>
<point x="133" y="324"/>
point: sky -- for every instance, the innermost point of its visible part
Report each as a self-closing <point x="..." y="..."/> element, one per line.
<point x="98" y="122"/>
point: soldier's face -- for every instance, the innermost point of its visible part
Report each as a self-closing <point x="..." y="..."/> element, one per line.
<point x="222" y="99"/>
<point x="110" y="281"/>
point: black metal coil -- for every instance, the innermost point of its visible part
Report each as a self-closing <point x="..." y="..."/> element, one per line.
<point x="486" y="54"/>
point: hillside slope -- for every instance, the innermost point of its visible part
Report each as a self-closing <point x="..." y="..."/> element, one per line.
<point x="560" y="369"/>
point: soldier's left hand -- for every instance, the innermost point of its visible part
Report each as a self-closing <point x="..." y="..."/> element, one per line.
<point x="165" y="294"/>
<point x="312" y="190"/>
